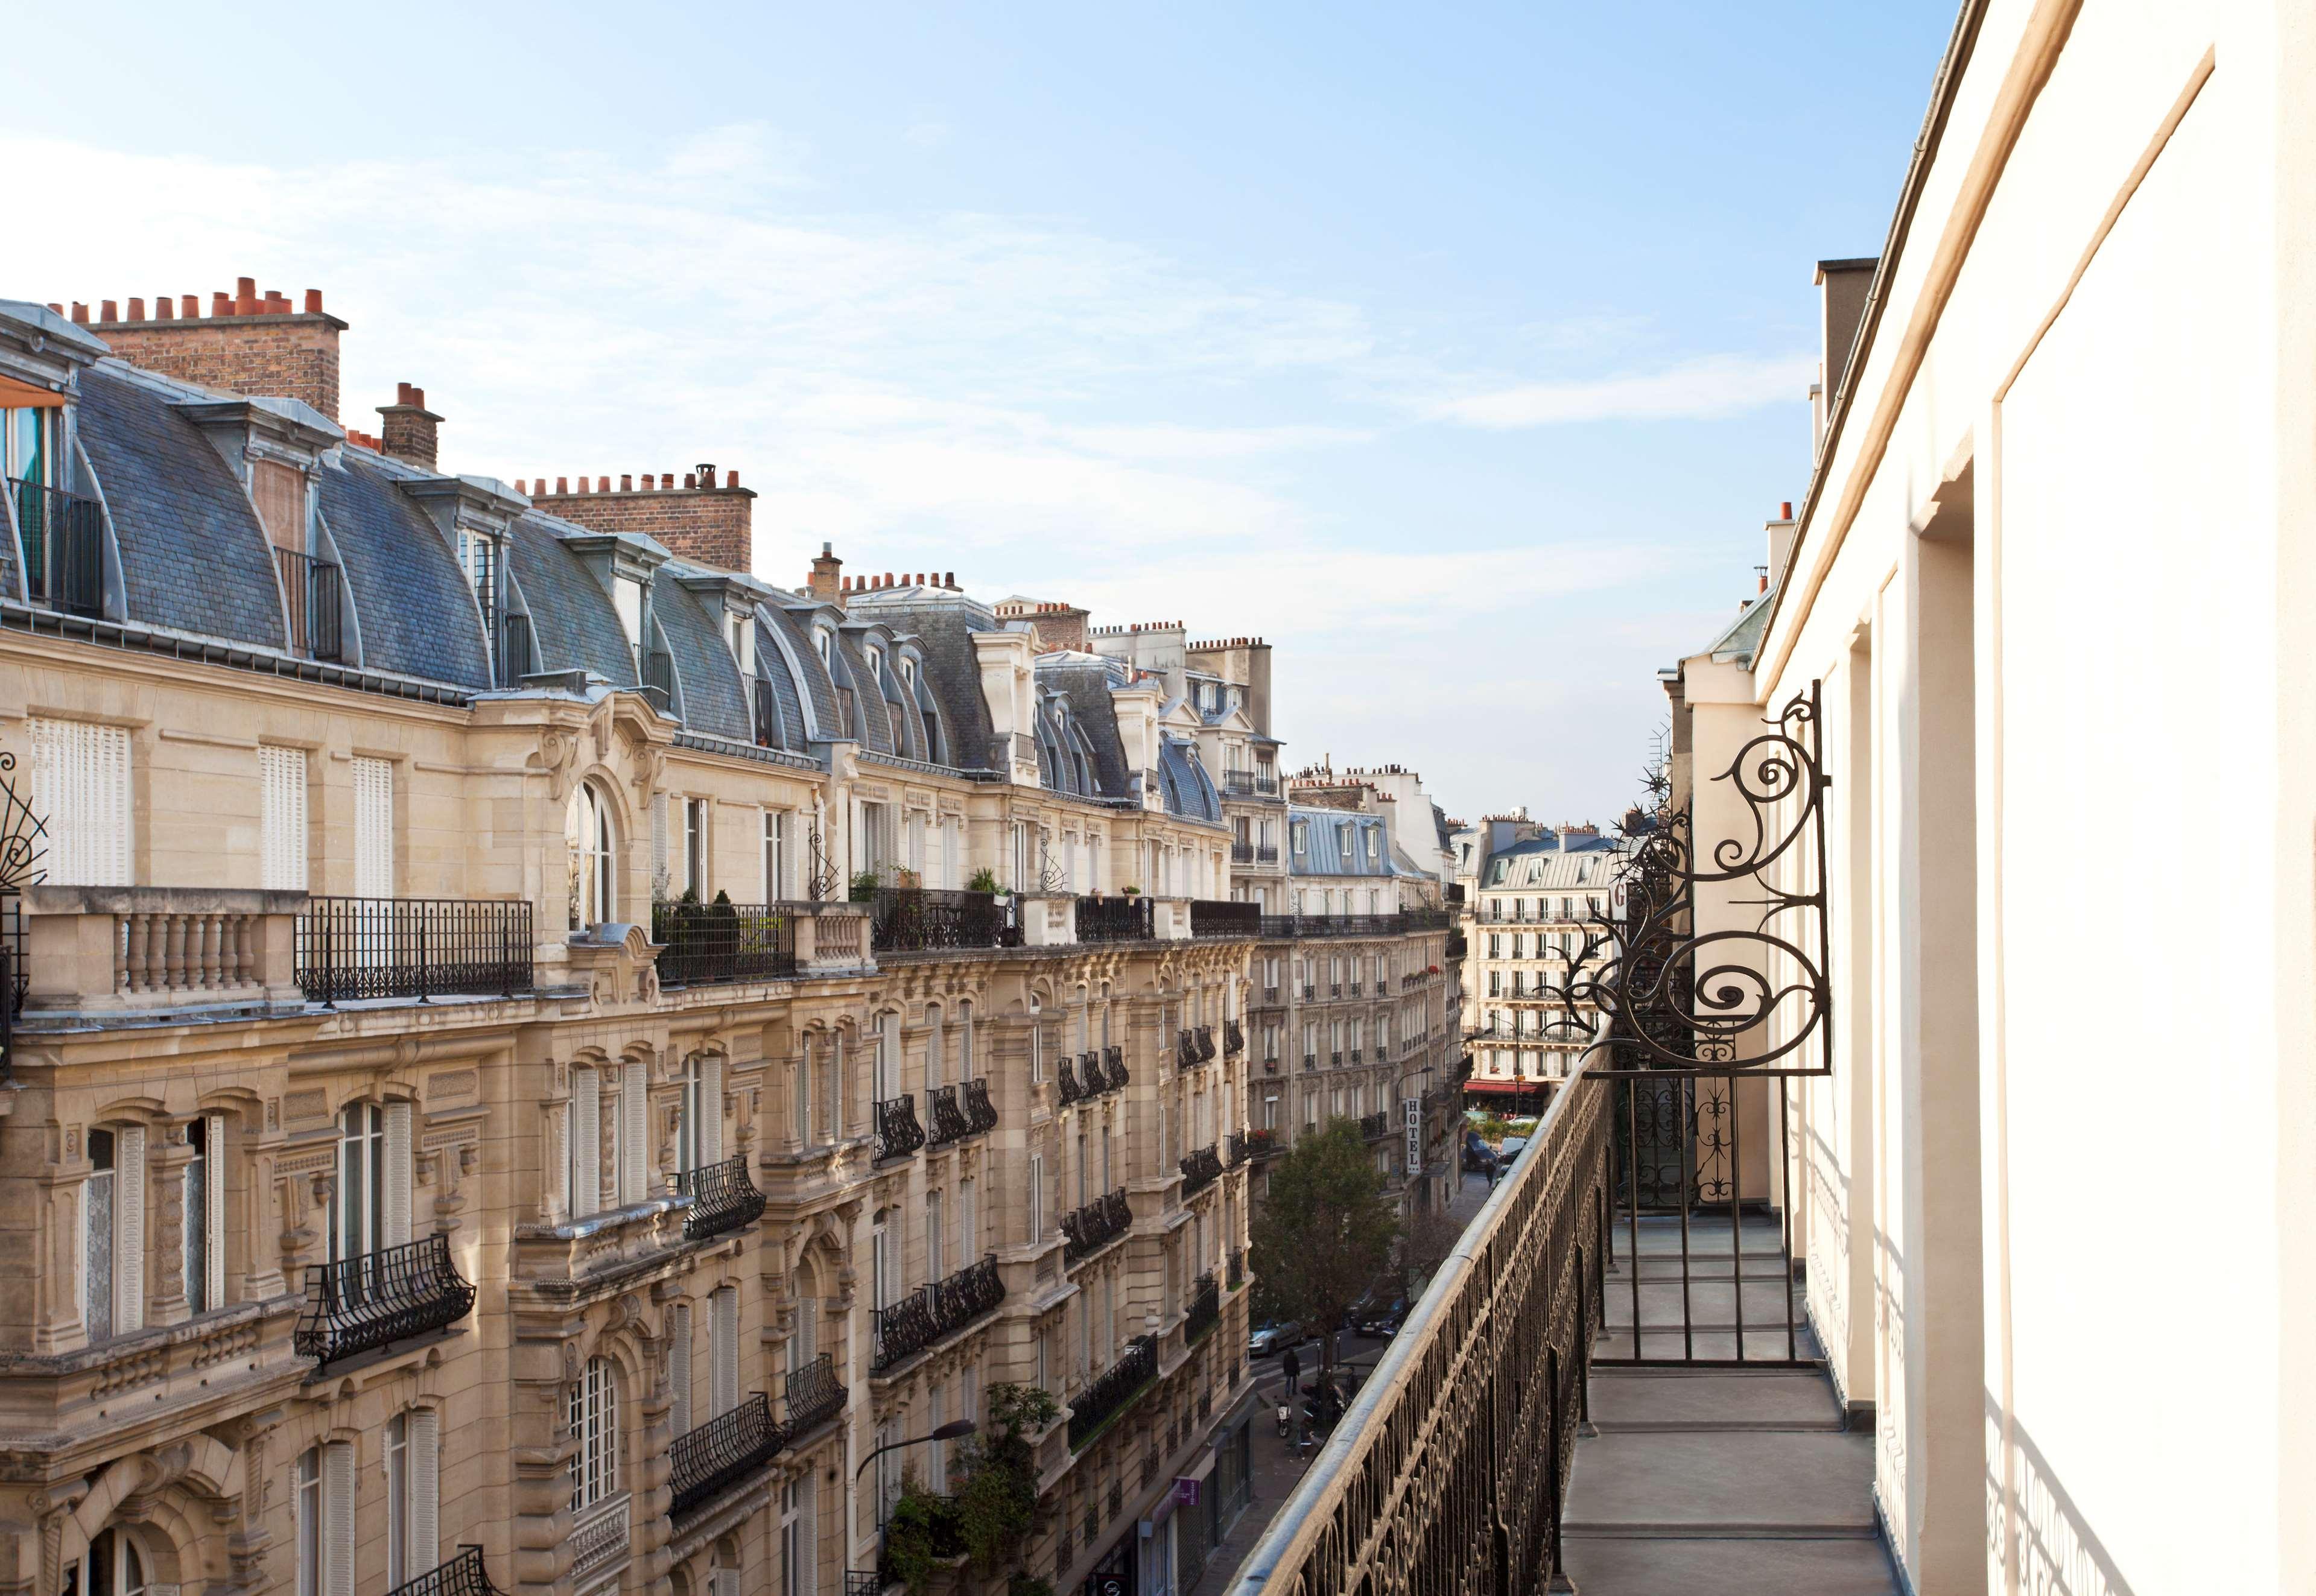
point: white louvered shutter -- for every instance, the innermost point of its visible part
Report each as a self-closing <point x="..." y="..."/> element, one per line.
<point x="678" y="1365"/>
<point x="394" y="1224"/>
<point x="425" y="1489"/>
<point x="659" y="840"/>
<point x="338" y="1519"/>
<point x="80" y="787"/>
<point x="373" y="828"/>
<point x="283" y="830"/>
<point x="808" y="1580"/>
<point x="807" y="1333"/>
<point x="634" y="1093"/>
<point x="724" y="1351"/>
<point x="215" y="1182"/>
<point x="586" y="1144"/>
<point x="712" y="1110"/>
<point x="128" y="1232"/>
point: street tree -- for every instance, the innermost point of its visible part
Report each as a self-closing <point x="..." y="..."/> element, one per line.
<point x="1324" y="1233"/>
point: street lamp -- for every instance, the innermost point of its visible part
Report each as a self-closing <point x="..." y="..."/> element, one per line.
<point x="955" y="1430"/>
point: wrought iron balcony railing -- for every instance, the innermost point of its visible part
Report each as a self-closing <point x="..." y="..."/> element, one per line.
<point x="813" y="1396"/>
<point x="1375" y="1126"/>
<point x="1186" y="1048"/>
<point x="909" y="920"/>
<point x="1201" y="1168"/>
<point x="1066" y="1083"/>
<point x="1262" y="1143"/>
<point x="1234" y="1274"/>
<point x="356" y="948"/>
<point x="659" y="679"/>
<point x="947" y="1122"/>
<point x="1225" y="917"/>
<point x="1266" y="853"/>
<point x="1114" y="1066"/>
<point x="709" y="1460"/>
<point x="1117" y="919"/>
<point x="1251" y="783"/>
<point x="356" y="1304"/>
<point x="980" y="1113"/>
<point x="898" y="1134"/>
<point x="1110" y="1391"/>
<point x="710" y="944"/>
<point x="1241" y="853"/>
<point x="1233" y="1150"/>
<point x="1206" y="1309"/>
<point x="511" y="659"/>
<point x="62" y="537"/>
<point x="723" y="1198"/>
<point x="1087" y="1230"/>
<point x="1233" y="1039"/>
<point x="463" y="1574"/>
<point x="935" y="1311"/>
<point x="312" y="595"/>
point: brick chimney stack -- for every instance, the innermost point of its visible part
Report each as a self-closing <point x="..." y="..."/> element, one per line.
<point x="700" y="522"/>
<point x="249" y="343"/>
<point x="408" y="435"/>
<point x="827" y="582"/>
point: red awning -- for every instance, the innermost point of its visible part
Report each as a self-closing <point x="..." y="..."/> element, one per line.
<point x="1509" y="1085"/>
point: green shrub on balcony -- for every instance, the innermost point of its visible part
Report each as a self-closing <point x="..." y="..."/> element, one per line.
<point x="997" y="1499"/>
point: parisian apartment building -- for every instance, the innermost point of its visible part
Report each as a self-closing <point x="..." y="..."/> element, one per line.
<point x="535" y="1052"/>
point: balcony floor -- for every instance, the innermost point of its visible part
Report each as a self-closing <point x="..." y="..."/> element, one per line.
<point x="1741" y="1482"/>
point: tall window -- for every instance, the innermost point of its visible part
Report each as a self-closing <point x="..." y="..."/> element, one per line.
<point x="935" y="1238"/>
<point x="203" y="1236"/>
<point x="807" y="1132"/>
<point x="1037" y="1197"/>
<point x="112" y="1234"/>
<point x="373" y="828"/>
<point x="325" y="1512"/>
<point x="413" y="1496"/>
<point x="114" y="1566"/>
<point x="936" y="1045"/>
<point x="776" y="855"/>
<point x="723" y="1351"/>
<point x="700" y="1114"/>
<point x="80" y="787"/>
<point x="594" y="1416"/>
<point x="478" y="557"/>
<point x="583" y="1142"/>
<point x="695" y="847"/>
<point x="588" y="839"/>
<point x="968" y="1218"/>
<point x="283" y="822"/>
<point x="797" y="1539"/>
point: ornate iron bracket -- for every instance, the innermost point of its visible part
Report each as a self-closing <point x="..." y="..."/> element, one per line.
<point x="820" y="879"/>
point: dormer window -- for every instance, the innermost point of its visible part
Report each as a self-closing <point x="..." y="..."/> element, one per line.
<point x="742" y="635"/>
<point x="1299" y="836"/>
<point x="909" y="673"/>
<point x="628" y="599"/>
<point x="478" y="557"/>
<point x="62" y="533"/>
<point x="876" y="663"/>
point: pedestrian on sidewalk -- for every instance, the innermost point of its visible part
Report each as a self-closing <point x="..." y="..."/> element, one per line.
<point x="1292" y="1368"/>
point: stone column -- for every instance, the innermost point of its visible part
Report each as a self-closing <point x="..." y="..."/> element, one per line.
<point x="166" y="1243"/>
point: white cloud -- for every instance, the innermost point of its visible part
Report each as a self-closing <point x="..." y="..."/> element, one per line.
<point x="1713" y="385"/>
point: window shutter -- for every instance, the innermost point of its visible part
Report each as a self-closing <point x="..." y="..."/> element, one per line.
<point x="425" y="1489"/>
<point x="807" y="1331"/>
<point x="804" y="1095"/>
<point x="968" y="1218"/>
<point x="678" y="1365"/>
<point x="712" y="1110"/>
<point x="283" y="772"/>
<point x="373" y="828"/>
<point x="659" y="840"/>
<point x="80" y="787"/>
<point x="724" y="1350"/>
<point x="338" y="1519"/>
<point x="807" y="1577"/>
<point x="215" y="1181"/>
<point x="394" y="1224"/>
<point x="586" y="1144"/>
<point x="129" y="1233"/>
<point x="633" y="1132"/>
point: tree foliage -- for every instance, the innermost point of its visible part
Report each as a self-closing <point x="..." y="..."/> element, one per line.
<point x="997" y="1501"/>
<point x="1324" y="1231"/>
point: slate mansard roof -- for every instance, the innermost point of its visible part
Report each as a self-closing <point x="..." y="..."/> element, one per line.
<point x="1321" y="853"/>
<point x="1544" y="864"/>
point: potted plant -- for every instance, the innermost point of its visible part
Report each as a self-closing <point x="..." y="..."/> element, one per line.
<point x="1130" y="890"/>
<point x="864" y="886"/>
<point x="984" y="880"/>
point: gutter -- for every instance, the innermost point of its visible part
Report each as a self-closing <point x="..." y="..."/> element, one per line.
<point x="1960" y="45"/>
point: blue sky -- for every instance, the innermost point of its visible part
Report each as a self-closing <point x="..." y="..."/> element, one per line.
<point x="1461" y="353"/>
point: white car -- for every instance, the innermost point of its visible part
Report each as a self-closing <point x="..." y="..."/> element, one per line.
<point x="1272" y="1338"/>
<point x="1509" y="1150"/>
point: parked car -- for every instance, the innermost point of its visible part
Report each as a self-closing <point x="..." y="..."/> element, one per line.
<point x="1274" y="1337"/>
<point x="1479" y="1158"/>
<point x="1380" y="1318"/>
<point x="1510" y="1149"/>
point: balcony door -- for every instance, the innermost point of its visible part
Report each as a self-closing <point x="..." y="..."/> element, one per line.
<point x="369" y="1209"/>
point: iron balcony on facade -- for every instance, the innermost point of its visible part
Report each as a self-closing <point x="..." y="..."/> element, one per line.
<point x="709" y="944"/>
<point x="1235" y="1274"/>
<point x="1109" y="1393"/>
<point x="463" y="1574"/>
<point x="1206" y="1043"/>
<point x="813" y="1396"/>
<point x="1201" y="1168"/>
<point x="1335" y="1058"/>
<point x="1206" y="1309"/>
<point x="1225" y="917"/>
<point x="351" y="949"/>
<point x="512" y="660"/>
<point x="1131" y="919"/>
<point x="1233" y="1038"/>
<point x="659" y="679"/>
<point x="1233" y="1150"/>
<point x="62" y="537"/>
<point x="1266" y="853"/>
<point x="1270" y="997"/>
<point x="1356" y="1053"/>
<point x="1087" y="1230"/>
<point x="312" y="598"/>
<point x="1114" y="1066"/>
<point x="1186" y="1048"/>
<point x="1356" y="989"/>
<point x="1262" y="1143"/>
<point x="898" y="1134"/>
<point x="357" y="1305"/>
<point x="1241" y="853"/>
<point x="723" y="1198"/>
<point x="934" y="1313"/>
<point x="980" y="1113"/>
<point x="1066" y="1079"/>
<point x="946" y="1121"/>
<point x="1375" y="1126"/>
<point x="1310" y="1061"/>
<point x="909" y="920"/>
<point x="709" y="1460"/>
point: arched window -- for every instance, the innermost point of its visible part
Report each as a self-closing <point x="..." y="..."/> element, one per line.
<point x="588" y="836"/>
<point x="114" y="1566"/>
<point x="594" y="1418"/>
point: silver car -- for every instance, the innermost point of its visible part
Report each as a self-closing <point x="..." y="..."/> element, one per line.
<point x="1275" y="1337"/>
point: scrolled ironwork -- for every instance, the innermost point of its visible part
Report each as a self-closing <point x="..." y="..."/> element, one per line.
<point x="1206" y="1044"/>
<point x="1201" y="1168"/>
<point x="980" y="1113"/>
<point x="1109" y="1393"/>
<point x="723" y="1198"/>
<point x="1087" y="1230"/>
<point x="1206" y="1308"/>
<point x="355" y="1305"/>
<point x="948" y="1122"/>
<point x="813" y="1395"/>
<point x="709" y="1460"/>
<point x="898" y="1134"/>
<point x="820" y="871"/>
<point x="1067" y="1082"/>
<point x="1114" y="1065"/>
<point x="463" y="1574"/>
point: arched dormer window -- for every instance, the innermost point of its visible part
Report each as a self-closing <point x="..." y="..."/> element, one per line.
<point x="591" y="842"/>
